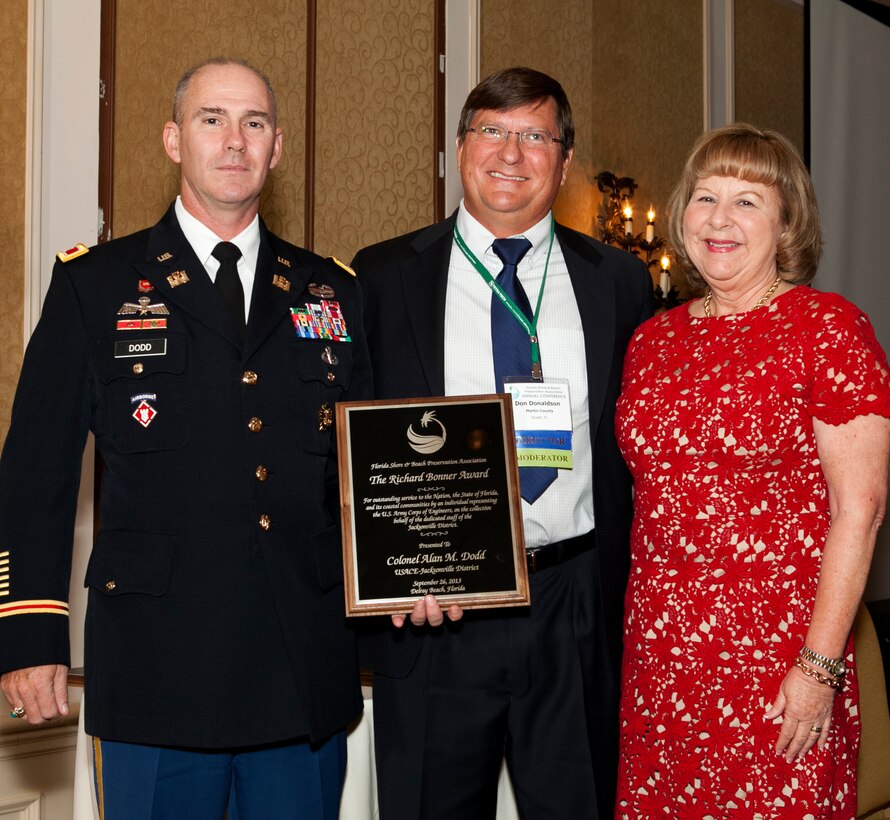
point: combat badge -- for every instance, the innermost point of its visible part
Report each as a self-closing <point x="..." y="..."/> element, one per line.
<point x="321" y="291"/>
<point x="325" y="418"/>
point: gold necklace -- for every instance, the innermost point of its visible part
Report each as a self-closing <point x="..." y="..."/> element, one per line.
<point x="706" y="305"/>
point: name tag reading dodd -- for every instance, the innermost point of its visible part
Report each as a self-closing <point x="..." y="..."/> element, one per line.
<point x="140" y="347"/>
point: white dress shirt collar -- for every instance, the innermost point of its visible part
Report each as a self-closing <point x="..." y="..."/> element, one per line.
<point x="203" y="241"/>
<point x="478" y="238"/>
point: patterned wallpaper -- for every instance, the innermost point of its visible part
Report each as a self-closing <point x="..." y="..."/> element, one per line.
<point x="375" y="122"/>
<point x="632" y="72"/>
<point x="769" y="93"/>
<point x="13" y="73"/>
<point x="374" y="91"/>
<point x="271" y="34"/>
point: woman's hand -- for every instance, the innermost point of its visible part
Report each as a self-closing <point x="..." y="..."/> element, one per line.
<point x="804" y="705"/>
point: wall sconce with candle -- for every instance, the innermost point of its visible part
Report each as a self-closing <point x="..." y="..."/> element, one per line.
<point x="615" y="224"/>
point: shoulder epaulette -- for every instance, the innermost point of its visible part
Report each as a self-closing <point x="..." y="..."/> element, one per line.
<point x="72" y="253"/>
<point x="345" y="267"/>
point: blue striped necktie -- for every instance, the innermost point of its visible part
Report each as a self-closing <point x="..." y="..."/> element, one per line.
<point x="511" y="348"/>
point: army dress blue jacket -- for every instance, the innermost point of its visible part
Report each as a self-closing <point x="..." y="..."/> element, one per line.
<point x="215" y="615"/>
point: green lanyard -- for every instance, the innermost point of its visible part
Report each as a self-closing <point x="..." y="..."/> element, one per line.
<point x="530" y="327"/>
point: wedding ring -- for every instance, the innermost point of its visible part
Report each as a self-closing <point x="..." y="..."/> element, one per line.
<point x="18" y="712"/>
<point x="815" y="729"/>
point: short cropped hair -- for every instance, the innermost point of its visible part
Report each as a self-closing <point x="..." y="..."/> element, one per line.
<point x="185" y="80"/>
<point x="745" y="152"/>
<point x="511" y="88"/>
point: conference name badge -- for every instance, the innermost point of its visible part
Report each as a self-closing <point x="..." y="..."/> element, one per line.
<point x="542" y="418"/>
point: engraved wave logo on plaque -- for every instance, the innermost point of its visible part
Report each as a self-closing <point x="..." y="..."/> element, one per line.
<point x="426" y="444"/>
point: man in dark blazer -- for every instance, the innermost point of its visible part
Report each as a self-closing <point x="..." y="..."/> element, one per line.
<point x="538" y="686"/>
<point x="219" y="669"/>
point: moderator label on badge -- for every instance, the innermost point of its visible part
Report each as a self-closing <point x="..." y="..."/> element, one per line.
<point x="140" y="347"/>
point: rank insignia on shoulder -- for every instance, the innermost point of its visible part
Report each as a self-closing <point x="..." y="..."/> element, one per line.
<point x="343" y="265"/>
<point x="281" y="282"/>
<point x="321" y="291"/>
<point x="177" y="278"/>
<point x="324" y="321"/>
<point x="283" y="261"/>
<point x="72" y="253"/>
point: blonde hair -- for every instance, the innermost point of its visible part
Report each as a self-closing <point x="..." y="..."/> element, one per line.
<point x="745" y="152"/>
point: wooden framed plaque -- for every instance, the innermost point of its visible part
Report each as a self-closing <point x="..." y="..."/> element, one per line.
<point x="429" y="500"/>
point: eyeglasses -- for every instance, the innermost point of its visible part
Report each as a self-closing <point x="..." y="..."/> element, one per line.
<point x="528" y="139"/>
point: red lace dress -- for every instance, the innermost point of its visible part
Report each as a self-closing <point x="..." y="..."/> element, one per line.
<point x="715" y="423"/>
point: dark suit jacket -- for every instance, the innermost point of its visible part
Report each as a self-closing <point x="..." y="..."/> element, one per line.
<point x="404" y="282"/>
<point x="204" y="629"/>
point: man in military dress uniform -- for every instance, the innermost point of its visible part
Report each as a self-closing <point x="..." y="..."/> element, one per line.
<point x="206" y="355"/>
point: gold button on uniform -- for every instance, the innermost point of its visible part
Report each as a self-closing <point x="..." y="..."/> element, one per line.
<point x="111" y="586"/>
<point x="331" y="377"/>
<point x="255" y="425"/>
<point x="138" y="368"/>
<point x="265" y="522"/>
<point x="249" y="377"/>
<point x="261" y="473"/>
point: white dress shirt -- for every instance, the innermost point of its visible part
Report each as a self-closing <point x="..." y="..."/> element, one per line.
<point x="203" y="241"/>
<point x="565" y="510"/>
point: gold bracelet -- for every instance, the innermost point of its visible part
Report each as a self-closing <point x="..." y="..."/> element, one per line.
<point x="834" y="683"/>
<point x="836" y="667"/>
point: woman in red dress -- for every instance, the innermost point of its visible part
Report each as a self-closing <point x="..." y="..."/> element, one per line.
<point x="756" y="423"/>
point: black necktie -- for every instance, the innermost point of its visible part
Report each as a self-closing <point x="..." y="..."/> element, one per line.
<point x="511" y="347"/>
<point x="229" y="283"/>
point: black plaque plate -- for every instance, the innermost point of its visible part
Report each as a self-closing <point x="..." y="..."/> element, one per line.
<point x="429" y="498"/>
